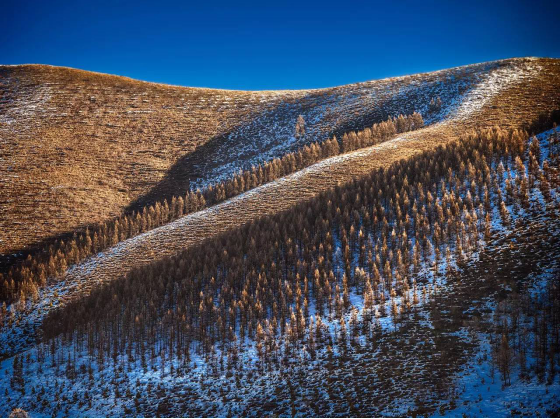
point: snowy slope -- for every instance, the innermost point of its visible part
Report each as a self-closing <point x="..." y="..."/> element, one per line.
<point x="189" y="389"/>
<point x="266" y="199"/>
<point x="462" y="90"/>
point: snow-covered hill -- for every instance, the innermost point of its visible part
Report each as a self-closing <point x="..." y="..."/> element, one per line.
<point x="436" y="356"/>
<point x="447" y="338"/>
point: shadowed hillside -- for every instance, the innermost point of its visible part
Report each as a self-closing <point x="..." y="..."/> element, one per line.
<point x="80" y="147"/>
<point x="409" y="269"/>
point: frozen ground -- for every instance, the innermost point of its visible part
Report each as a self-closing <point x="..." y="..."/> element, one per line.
<point x="463" y="92"/>
<point x="266" y="199"/>
<point x="194" y="389"/>
<point x="474" y="387"/>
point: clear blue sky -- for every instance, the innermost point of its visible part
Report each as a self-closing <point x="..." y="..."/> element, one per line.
<point x="255" y="45"/>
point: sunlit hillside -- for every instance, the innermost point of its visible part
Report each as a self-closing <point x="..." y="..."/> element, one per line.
<point x="386" y="248"/>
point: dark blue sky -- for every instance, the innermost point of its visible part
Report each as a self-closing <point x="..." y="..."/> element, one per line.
<point x="255" y="45"/>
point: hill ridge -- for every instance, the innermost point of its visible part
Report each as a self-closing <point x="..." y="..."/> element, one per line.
<point x="217" y="89"/>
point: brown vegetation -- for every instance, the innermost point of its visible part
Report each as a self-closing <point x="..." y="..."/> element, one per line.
<point x="23" y="279"/>
<point x="278" y="279"/>
<point x="528" y="99"/>
<point x="260" y="281"/>
<point x="95" y="139"/>
<point x="299" y="272"/>
<point x="75" y="139"/>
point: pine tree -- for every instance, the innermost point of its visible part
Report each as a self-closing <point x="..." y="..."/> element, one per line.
<point x="300" y="127"/>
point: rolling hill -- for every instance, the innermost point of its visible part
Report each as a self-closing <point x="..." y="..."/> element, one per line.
<point x="413" y="251"/>
<point x="80" y="148"/>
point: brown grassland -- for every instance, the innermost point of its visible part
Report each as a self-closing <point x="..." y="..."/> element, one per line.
<point x="79" y="148"/>
<point x="523" y="102"/>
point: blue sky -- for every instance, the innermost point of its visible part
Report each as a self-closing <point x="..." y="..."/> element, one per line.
<point x="260" y="45"/>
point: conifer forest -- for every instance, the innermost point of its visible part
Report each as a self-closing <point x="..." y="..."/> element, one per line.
<point x="386" y="248"/>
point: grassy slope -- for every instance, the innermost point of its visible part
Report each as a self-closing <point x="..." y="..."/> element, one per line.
<point x="79" y="147"/>
<point x="523" y="99"/>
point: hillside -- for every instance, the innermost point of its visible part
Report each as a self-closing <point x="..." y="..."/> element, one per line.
<point x="97" y="142"/>
<point x="350" y="346"/>
<point x="103" y="144"/>
<point x="523" y="89"/>
<point x="415" y="276"/>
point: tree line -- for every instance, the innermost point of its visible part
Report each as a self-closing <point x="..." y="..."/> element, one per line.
<point x="380" y="240"/>
<point x="313" y="282"/>
<point x="24" y="280"/>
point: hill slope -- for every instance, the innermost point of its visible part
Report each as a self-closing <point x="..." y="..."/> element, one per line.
<point x="391" y="280"/>
<point x="522" y="92"/>
<point x="80" y="147"/>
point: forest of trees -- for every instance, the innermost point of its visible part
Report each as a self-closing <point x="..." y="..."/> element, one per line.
<point x="276" y="281"/>
<point x="315" y="280"/>
<point x="23" y="280"/>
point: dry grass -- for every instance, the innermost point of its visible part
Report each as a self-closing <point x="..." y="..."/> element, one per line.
<point x="524" y="102"/>
<point x="79" y="147"/>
